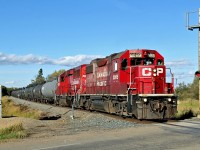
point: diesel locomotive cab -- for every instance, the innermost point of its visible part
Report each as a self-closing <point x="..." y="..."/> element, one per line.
<point x="149" y="96"/>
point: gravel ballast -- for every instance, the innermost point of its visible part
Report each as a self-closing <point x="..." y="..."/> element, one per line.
<point x="64" y="124"/>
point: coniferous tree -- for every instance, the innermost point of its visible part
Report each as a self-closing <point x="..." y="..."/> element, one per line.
<point x="40" y="79"/>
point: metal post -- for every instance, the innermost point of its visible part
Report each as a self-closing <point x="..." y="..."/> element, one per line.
<point x="0" y="101"/>
<point x="72" y="116"/>
<point x="191" y="28"/>
<point x="199" y="59"/>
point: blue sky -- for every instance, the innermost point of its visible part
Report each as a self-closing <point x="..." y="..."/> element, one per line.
<point x="59" y="34"/>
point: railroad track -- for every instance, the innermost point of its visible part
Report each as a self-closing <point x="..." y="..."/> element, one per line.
<point x="124" y="118"/>
<point x="129" y="119"/>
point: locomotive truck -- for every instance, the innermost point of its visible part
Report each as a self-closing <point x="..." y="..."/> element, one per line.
<point x="129" y="83"/>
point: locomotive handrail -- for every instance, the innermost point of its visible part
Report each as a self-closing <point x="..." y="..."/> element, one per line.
<point x="170" y="70"/>
<point x="172" y="76"/>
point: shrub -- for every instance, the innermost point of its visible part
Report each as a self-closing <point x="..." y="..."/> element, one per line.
<point x="186" y="114"/>
<point x="13" y="131"/>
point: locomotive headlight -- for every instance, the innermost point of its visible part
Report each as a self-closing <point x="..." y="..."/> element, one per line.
<point x="154" y="74"/>
<point x="169" y="99"/>
<point x="145" y="100"/>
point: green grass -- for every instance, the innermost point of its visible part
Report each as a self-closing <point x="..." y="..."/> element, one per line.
<point x="10" y="110"/>
<point x="187" y="109"/>
<point x="13" y="131"/>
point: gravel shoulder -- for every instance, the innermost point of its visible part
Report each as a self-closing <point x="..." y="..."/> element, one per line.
<point x="88" y="129"/>
<point x="59" y="122"/>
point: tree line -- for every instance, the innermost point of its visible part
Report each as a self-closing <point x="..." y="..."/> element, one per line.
<point x="188" y="91"/>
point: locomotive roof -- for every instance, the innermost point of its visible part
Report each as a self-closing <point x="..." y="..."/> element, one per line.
<point x="116" y="55"/>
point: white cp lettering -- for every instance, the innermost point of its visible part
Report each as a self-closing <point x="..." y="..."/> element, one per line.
<point x="146" y="72"/>
<point x="159" y="70"/>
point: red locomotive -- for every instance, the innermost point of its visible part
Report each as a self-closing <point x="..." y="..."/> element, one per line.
<point x="131" y="83"/>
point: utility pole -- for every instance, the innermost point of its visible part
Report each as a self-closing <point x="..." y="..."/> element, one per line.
<point x="192" y="27"/>
<point x="0" y="102"/>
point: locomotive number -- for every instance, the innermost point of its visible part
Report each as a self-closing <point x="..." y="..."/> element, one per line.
<point x="148" y="71"/>
<point x="101" y="83"/>
<point x="115" y="77"/>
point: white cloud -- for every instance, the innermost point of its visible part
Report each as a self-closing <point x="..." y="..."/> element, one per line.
<point x="12" y="59"/>
<point x="179" y="63"/>
<point x="191" y="73"/>
<point x="10" y="82"/>
<point x="186" y="77"/>
<point x="75" y="60"/>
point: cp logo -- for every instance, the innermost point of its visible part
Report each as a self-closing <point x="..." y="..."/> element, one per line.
<point x="146" y="72"/>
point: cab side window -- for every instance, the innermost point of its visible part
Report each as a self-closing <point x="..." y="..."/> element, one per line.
<point x="159" y="62"/>
<point x="124" y="64"/>
<point x="115" y="66"/>
<point x="62" y="79"/>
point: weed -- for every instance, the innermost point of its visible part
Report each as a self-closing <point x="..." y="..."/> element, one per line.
<point x="186" y="114"/>
<point x="10" y="110"/>
<point x="13" y="131"/>
<point x="187" y="109"/>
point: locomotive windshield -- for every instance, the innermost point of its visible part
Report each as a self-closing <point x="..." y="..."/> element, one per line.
<point x="159" y="62"/>
<point x="135" y="62"/>
<point x="148" y="61"/>
<point x="142" y="61"/>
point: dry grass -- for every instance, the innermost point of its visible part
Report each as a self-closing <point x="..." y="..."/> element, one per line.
<point x="12" y="110"/>
<point x="187" y="109"/>
<point x="13" y="131"/>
